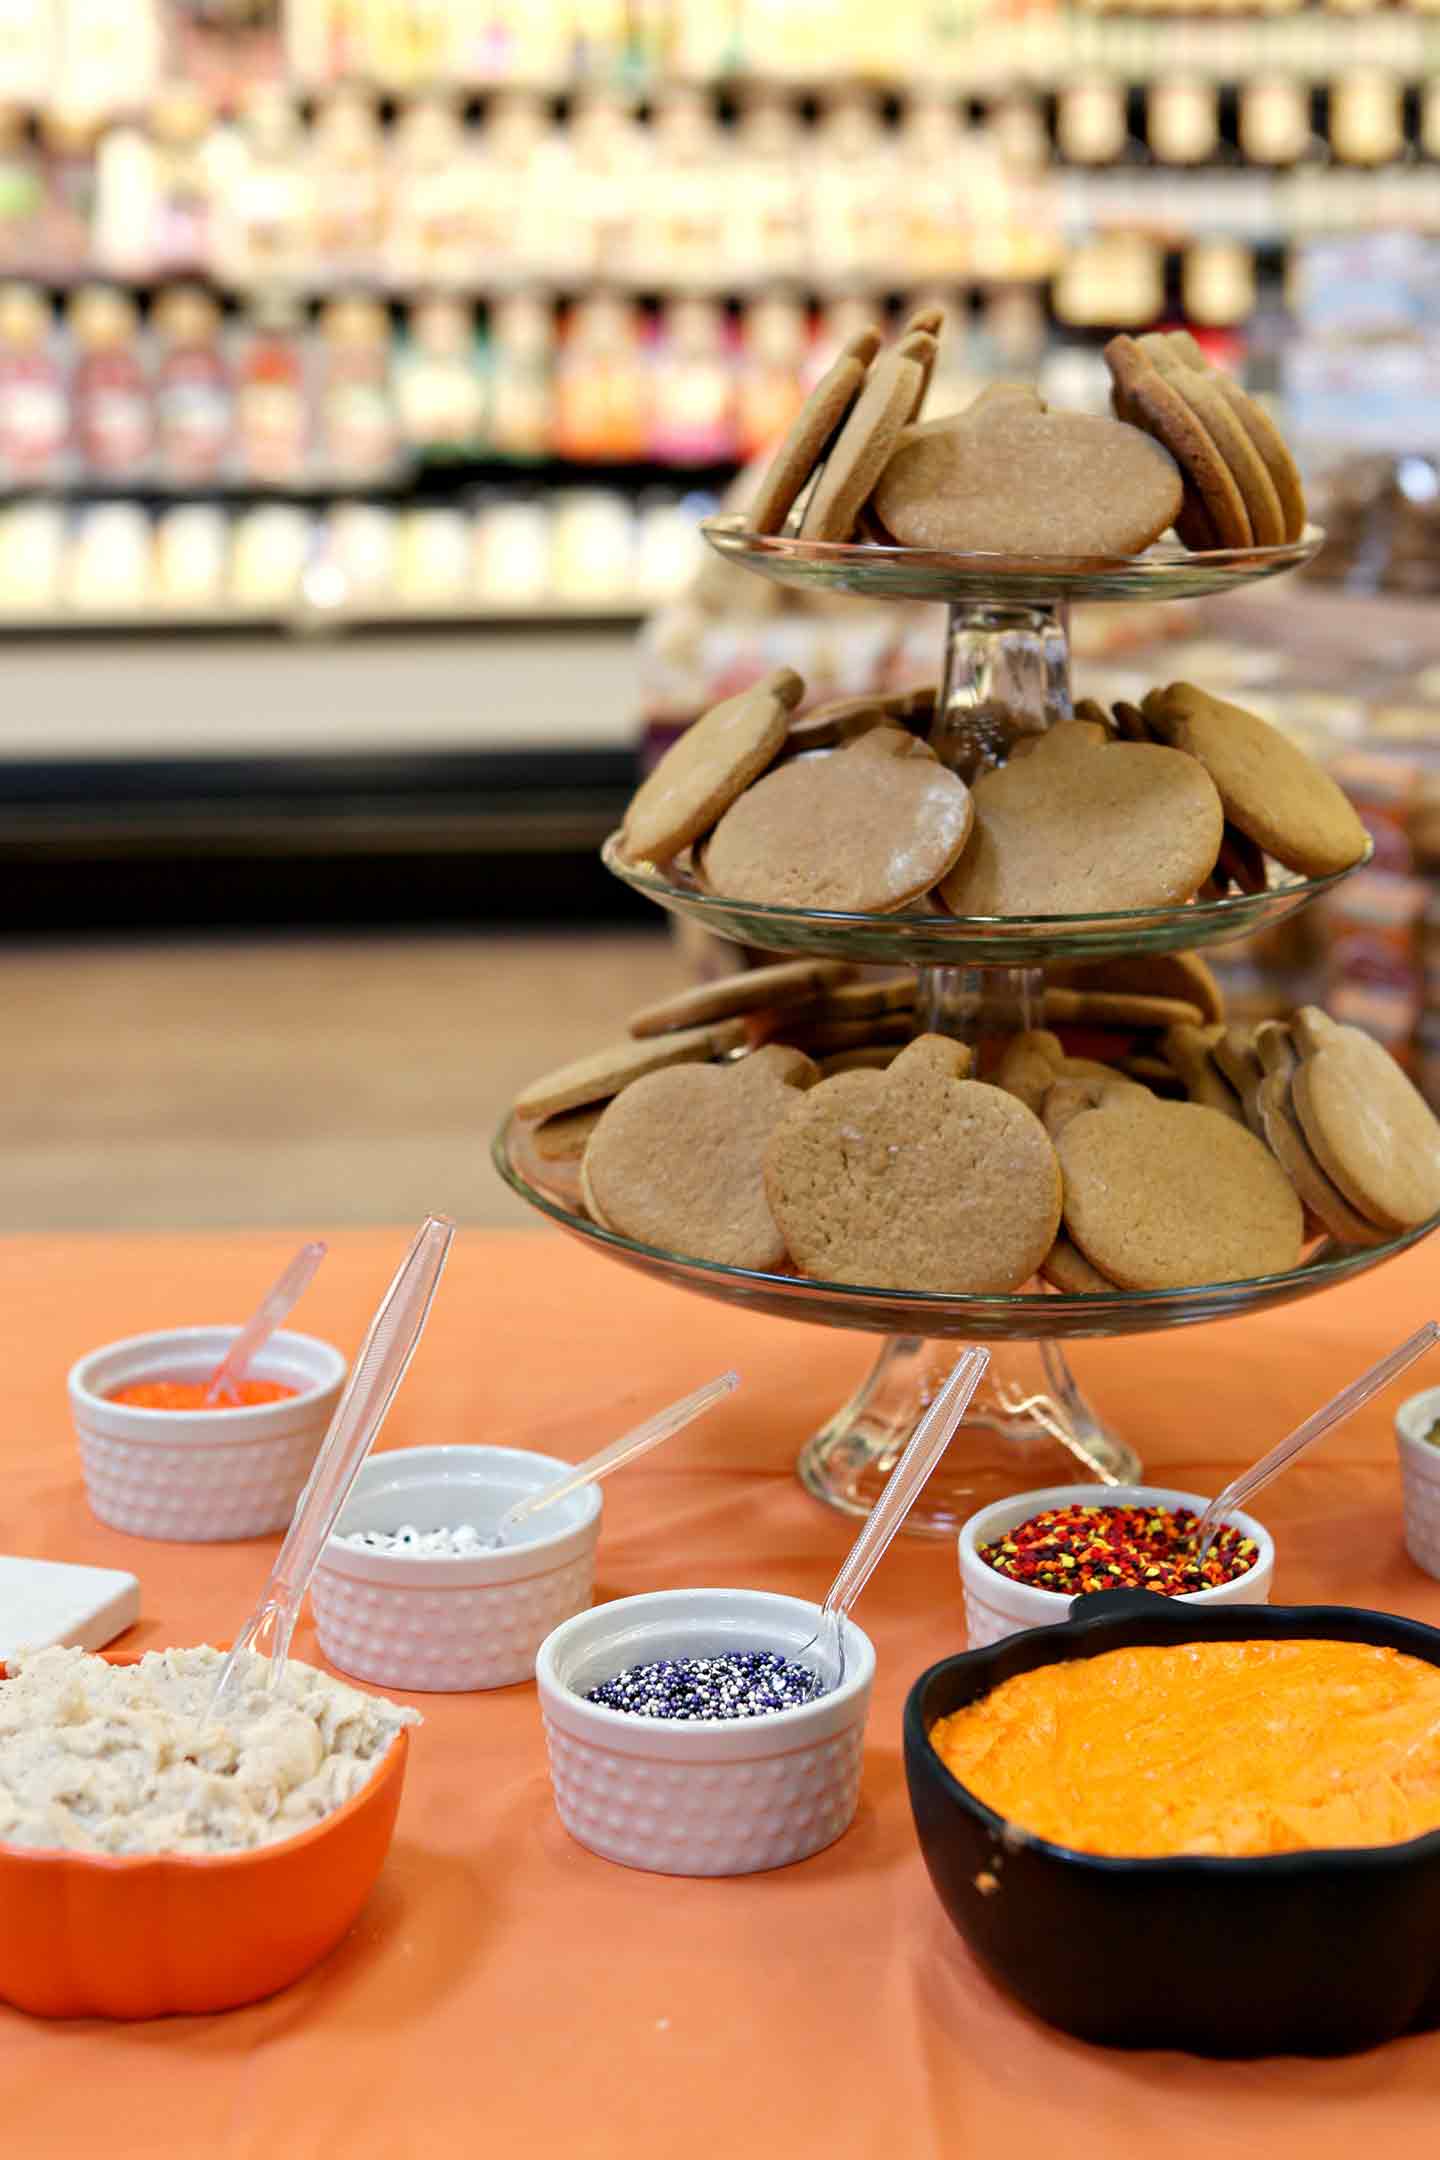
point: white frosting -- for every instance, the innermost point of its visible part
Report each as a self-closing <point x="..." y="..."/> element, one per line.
<point x="121" y="1758"/>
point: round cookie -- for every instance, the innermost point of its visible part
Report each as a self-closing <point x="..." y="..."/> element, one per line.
<point x="1150" y="401"/>
<point x="1029" y="1066"/>
<point x="803" y="444"/>
<point x="863" y="830"/>
<point x="713" y="762"/>
<point x="1200" y="388"/>
<point x="606" y="1072"/>
<point x="1162" y="1195"/>
<point x="550" y="1153"/>
<point x="751" y="990"/>
<point x="1066" y="1268"/>
<point x="837" y="721"/>
<point x="1116" y="1009"/>
<point x="915" y="1179"/>
<point x="1070" y="1096"/>
<point x="1281" y="1132"/>
<point x="1189" y="1050"/>
<point x="1084" y="826"/>
<point x="1273" y="451"/>
<point x="1238" y="1059"/>
<point x="1006" y="479"/>
<point x="890" y="399"/>
<point x="677" y="1160"/>
<point x="1241" y="862"/>
<point x="1371" y="1132"/>
<point x="1280" y="798"/>
<point x="1181" y="975"/>
<point x="865" y="1057"/>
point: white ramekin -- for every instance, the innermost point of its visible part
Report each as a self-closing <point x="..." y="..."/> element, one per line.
<point x="194" y="1475"/>
<point x="1420" y="1476"/>
<point x="995" y="1606"/>
<point x="707" y="1796"/>
<point x="439" y="1624"/>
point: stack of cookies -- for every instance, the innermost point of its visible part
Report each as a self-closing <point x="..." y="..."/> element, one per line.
<point x="791" y="1118"/>
<point x="846" y="809"/>
<point x="1007" y="477"/>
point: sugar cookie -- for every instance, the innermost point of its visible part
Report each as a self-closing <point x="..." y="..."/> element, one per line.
<point x="1162" y="1195"/>
<point x="605" y="1072"/>
<point x="1007" y="479"/>
<point x="891" y="397"/>
<point x="863" y="830"/>
<point x="713" y="762"/>
<point x="751" y="990"/>
<point x="1085" y="826"/>
<point x="915" y="1178"/>
<point x="1370" y="1130"/>
<point x="1274" y="792"/>
<point x="1323" y="1199"/>
<point x="676" y="1161"/>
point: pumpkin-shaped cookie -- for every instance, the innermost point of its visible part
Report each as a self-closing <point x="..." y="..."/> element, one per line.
<point x="1007" y="479"/>
<point x="1087" y="826"/>
<point x="915" y="1178"/>
<point x="1161" y="1195"/>
<point x="677" y="1159"/>
<point x="860" y="830"/>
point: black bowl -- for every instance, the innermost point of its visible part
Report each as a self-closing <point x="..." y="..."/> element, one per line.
<point x="1308" y="1953"/>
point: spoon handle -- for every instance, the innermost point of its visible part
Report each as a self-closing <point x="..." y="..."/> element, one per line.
<point x="902" y="1488"/>
<point x="625" y="1449"/>
<point x="274" y="1307"/>
<point x="1342" y="1406"/>
<point x="374" y="1377"/>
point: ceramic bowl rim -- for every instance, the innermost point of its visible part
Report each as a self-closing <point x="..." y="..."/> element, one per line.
<point x="859" y="1675"/>
<point x="1408" y="1416"/>
<point x="220" y="1424"/>
<point x="380" y="1567"/>
<point x="1027" y="1597"/>
<point x="389" y="1765"/>
<point x="1226" y="1867"/>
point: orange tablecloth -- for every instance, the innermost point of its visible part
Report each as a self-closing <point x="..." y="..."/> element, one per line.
<point x="507" y="1994"/>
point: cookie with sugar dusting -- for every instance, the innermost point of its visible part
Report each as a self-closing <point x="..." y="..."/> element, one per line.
<point x="915" y="1178"/>
<point x="863" y="830"/>
<point x="603" y="1073"/>
<point x="677" y="1159"/>
<point x="1008" y="478"/>
<point x="1085" y="825"/>
<point x="713" y="762"/>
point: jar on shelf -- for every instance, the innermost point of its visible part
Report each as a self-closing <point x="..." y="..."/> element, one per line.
<point x="110" y="404"/>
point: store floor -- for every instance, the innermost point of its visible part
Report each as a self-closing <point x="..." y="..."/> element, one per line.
<point x="305" y="1081"/>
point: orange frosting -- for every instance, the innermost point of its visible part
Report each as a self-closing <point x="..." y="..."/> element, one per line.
<point x="190" y="1394"/>
<point x="1209" y="1747"/>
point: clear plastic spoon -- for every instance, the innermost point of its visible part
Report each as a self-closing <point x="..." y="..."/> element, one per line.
<point x="825" y="1651"/>
<point x="1340" y="1407"/>
<point x="374" y="1377"/>
<point x="662" y="1426"/>
<point x="277" y="1304"/>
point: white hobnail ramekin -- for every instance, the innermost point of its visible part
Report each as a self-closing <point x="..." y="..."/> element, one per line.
<point x="995" y="1606"/>
<point x="438" y="1624"/>
<point x="706" y="1796"/>
<point x="196" y="1475"/>
<point x="1420" y="1477"/>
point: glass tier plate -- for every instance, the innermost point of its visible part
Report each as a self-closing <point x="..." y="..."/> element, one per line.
<point x="1020" y="1316"/>
<point x="904" y="573"/>
<point x="911" y="940"/>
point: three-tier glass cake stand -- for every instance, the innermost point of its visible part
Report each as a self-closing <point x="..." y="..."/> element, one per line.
<point x="1006" y="674"/>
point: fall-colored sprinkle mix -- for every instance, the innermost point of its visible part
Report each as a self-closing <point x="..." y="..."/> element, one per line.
<point x="1078" y="1549"/>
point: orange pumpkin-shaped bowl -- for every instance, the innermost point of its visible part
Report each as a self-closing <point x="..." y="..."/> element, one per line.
<point x="137" y="1935"/>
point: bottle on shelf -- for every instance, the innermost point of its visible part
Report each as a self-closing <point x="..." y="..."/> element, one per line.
<point x="34" y="409"/>
<point x="440" y="381"/>
<point x="262" y="220"/>
<point x="601" y="391"/>
<point x="522" y="360"/>
<point x="22" y="195"/>
<point x="345" y="158"/>
<point x="110" y="406"/>
<point x="272" y="419"/>
<point x="194" y="392"/>
<point x="693" y="418"/>
<point x="432" y="184"/>
<point x="359" y="438"/>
